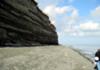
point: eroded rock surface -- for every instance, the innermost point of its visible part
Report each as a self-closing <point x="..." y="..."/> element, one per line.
<point x="22" y="23"/>
<point x="43" y="58"/>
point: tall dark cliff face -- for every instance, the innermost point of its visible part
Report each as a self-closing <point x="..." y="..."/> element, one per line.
<point x="22" y="23"/>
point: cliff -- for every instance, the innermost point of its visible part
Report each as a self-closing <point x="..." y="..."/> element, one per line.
<point x="43" y="58"/>
<point x="22" y="23"/>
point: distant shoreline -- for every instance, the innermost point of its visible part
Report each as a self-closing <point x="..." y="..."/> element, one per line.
<point x="82" y="54"/>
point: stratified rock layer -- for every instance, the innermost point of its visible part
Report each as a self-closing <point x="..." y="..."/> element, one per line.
<point x="22" y="23"/>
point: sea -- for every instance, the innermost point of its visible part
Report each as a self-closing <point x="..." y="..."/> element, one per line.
<point x="87" y="50"/>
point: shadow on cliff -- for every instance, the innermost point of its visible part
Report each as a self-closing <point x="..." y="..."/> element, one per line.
<point x="22" y="23"/>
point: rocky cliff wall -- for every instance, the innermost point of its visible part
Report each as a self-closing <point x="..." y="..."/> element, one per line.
<point x="22" y="23"/>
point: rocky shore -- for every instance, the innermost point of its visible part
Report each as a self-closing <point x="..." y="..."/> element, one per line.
<point x="42" y="58"/>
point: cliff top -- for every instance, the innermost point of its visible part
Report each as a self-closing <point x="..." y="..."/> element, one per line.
<point x="42" y="58"/>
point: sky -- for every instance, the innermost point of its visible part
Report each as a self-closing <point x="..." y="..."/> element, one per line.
<point x="76" y="21"/>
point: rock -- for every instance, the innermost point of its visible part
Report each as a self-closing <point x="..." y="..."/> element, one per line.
<point x="43" y="58"/>
<point x="22" y="23"/>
